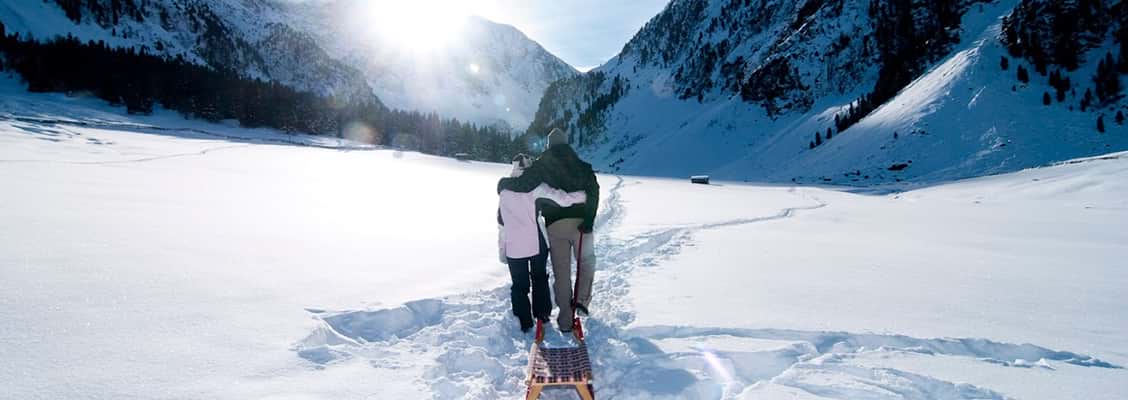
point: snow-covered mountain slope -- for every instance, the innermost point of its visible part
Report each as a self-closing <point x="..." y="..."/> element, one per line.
<point x="486" y="72"/>
<point x="250" y="37"/>
<point x="739" y="91"/>
<point x="161" y="258"/>
<point x="492" y="74"/>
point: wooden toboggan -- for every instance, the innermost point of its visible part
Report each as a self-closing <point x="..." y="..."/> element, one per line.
<point x="561" y="366"/>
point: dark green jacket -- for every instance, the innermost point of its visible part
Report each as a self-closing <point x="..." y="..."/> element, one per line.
<point x="561" y="168"/>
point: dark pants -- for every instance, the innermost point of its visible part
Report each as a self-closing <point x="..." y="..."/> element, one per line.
<point x="526" y="271"/>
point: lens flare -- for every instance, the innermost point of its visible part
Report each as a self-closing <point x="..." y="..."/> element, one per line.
<point x="717" y="365"/>
<point x="360" y="132"/>
<point x="418" y="24"/>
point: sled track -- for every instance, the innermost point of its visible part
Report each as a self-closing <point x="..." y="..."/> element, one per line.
<point x="54" y="130"/>
<point x="145" y="128"/>
<point x="134" y="160"/>
<point x="478" y="352"/>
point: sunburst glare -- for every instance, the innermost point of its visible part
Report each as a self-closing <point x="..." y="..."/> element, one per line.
<point x="419" y="24"/>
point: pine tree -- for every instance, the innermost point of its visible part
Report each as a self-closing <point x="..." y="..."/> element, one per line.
<point x="1119" y="117"/>
<point x="1122" y="37"/>
<point x="1004" y="63"/>
<point x="1099" y="80"/>
<point x="1023" y="74"/>
<point x="1100" y="124"/>
<point x="1046" y="100"/>
<point x="139" y="80"/>
<point x="1107" y="79"/>
<point x="1060" y="84"/>
<point x="1122" y="65"/>
<point x="818" y="139"/>
<point x="1112" y="85"/>
<point x="1065" y="30"/>
<point x="828" y="134"/>
<point x="811" y="145"/>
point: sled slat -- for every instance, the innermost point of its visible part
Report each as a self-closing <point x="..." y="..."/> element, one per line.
<point x="566" y="366"/>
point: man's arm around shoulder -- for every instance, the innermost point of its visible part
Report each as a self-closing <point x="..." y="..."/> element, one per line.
<point x="529" y="180"/>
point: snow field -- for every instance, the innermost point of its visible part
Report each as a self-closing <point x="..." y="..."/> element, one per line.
<point x="687" y="312"/>
<point x="153" y="257"/>
<point x="177" y="261"/>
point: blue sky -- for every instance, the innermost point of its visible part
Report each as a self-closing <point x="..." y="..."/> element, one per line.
<point x="584" y="33"/>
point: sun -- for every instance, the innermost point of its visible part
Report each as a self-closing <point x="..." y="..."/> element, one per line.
<point x="418" y="24"/>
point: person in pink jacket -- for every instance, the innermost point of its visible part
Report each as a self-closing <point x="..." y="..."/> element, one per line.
<point x="522" y="244"/>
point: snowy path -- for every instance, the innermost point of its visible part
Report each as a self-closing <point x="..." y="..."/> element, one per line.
<point x="473" y="349"/>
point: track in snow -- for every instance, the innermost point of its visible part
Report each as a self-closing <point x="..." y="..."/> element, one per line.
<point x="55" y="130"/>
<point x="475" y="351"/>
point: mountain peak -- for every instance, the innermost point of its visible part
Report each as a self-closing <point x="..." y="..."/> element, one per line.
<point x="484" y="72"/>
<point x="492" y="73"/>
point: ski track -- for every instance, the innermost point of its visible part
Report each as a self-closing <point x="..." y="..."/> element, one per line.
<point x="477" y="352"/>
<point x="133" y="160"/>
<point x="52" y="129"/>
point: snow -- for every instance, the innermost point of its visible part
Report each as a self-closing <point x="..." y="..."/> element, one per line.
<point x="959" y="119"/>
<point x="43" y="20"/>
<point x="169" y="264"/>
<point x="976" y="259"/>
<point x="157" y="257"/>
<point x="493" y="75"/>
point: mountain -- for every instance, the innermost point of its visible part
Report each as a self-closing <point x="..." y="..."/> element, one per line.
<point x="306" y="46"/>
<point x="847" y="91"/>
<point x="250" y="37"/>
<point x="488" y="72"/>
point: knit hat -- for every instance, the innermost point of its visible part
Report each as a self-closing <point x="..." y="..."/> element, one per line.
<point x="556" y="137"/>
<point x="520" y="162"/>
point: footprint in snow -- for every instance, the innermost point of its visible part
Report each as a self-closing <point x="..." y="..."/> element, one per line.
<point x="478" y="352"/>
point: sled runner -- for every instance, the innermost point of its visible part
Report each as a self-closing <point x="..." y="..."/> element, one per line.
<point x="561" y="366"/>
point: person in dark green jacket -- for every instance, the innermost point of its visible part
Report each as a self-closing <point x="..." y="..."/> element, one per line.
<point x="569" y="228"/>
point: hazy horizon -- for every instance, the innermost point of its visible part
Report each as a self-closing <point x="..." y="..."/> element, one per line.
<point x="569" y="30"/>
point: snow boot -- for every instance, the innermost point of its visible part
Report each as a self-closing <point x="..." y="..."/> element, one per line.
<point x="525" y="325"/>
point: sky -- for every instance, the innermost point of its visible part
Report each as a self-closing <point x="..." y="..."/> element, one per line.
<point x="584" y="33"/>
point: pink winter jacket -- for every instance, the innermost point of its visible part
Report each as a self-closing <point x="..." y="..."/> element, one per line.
<point x="517" y="238"/>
